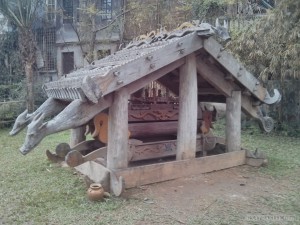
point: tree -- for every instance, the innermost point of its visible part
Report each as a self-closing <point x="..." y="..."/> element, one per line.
<point x="148" y="15"/>
<point x="22" y="14"/>
<point x="96" y="22"/>
<point x="270" y="47"/>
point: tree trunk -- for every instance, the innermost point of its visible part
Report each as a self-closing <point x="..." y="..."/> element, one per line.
<point x="29" y="87"/>
<point x="27" y="49"/>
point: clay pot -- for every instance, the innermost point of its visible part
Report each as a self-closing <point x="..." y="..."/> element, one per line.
<point x="95" y="192"/>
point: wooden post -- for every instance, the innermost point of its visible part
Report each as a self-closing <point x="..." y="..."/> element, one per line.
<point x="187" y="121"/>
<point x="233" y="122"/>
<point x="117" y="146"/>
<point x="77" y="136"/>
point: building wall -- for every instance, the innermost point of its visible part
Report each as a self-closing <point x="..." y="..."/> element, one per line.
<point x="67" y="39"/>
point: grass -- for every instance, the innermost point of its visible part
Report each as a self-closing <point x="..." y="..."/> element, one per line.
<point x="283" y="152"/>
<point x="34" y="191"/>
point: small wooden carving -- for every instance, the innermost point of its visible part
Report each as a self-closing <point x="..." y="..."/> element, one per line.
<point x="101" y="127"/>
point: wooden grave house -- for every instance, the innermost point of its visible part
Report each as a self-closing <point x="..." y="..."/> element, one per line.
<point x="192" y="66"/>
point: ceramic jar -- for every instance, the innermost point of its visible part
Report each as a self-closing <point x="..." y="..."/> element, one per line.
<point x="95" y="192"/>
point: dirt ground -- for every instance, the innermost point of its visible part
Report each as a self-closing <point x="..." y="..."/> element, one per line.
<point x="239" y="195"/>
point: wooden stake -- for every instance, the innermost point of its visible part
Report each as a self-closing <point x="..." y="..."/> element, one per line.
<point x="233" y="122"/>
<point x="187" y="122"/>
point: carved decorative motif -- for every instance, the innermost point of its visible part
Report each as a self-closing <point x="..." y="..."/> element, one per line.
<point x="155" y="115"/>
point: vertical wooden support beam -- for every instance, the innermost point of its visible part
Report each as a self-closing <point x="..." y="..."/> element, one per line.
<point x="117" y="146"/>
<point x="233" y="122"/>
<point x="77" y="136"/>
<point x="187" y="121"/>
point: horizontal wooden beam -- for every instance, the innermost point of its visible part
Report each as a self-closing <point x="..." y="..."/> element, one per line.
<point x="141" y="175"/>
<point x="208" y="91"/>
<point x="136" y="85"/>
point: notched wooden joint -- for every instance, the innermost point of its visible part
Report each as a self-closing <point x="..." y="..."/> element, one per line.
<point x="152" y="66"/>
<point x="117" y="73"/>
<point x="179" y="44"/>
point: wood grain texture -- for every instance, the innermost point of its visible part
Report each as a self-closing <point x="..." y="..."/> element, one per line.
<point x="77" y="136"/>
<point x="188" y="108"/>
<point x="216" y="78"/>
<point x="117" y="147"/>
<point x="235" y="68"/>
<point x="141" y="175"/>
<point x="138" y="84"/>
<point x="134" y="70"/>
<point x="233" y="122"/>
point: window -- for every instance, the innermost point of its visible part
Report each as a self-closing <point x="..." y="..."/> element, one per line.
<point x="68" y="11"/>
<point x="46" y="39"/>
<point x="51" y="7"/>
<point x="106" y="9"/>
<point x="68" y="62"/>
<point x="50" y="40"/>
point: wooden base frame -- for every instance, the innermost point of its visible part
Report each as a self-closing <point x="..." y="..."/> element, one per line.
<point x="148" y="174"/>
<point x="153" y="173"/>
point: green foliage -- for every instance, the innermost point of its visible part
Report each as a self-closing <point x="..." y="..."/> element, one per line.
<point x="271" y="46"/>
<point x="145" y="16"/>
<point x="10" y="92"/>
<point x="207" y="9"/>
<point x="21" y="12"/>
<point x="34" y="191"/>
<point x="10" y="62"/>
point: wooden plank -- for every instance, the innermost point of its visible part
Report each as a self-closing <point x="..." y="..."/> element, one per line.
<point x="77" y="136"/>
<point x="208" y="91"/>
<point x="171" y="81"/>
<point x="233" y="122"/>
<point x="136" y="85"/>
<point x="141" y="175"/>
<point x="138" y="130"/>
<point x="96" y="173"/>
<point x="144" y="151"/>
<point x="235" y="68"/>
<point x="161" y="149"/>
<point x="216" y="78"/>
<point x="188" y="108"/>
<point x="117" y="146"/>
<point x="147" y="64"/>
<point x="152" y="112"/>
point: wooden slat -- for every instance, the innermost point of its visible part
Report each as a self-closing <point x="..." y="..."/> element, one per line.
<point x="149" y="174"/>
<point x="235" y="68"/>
